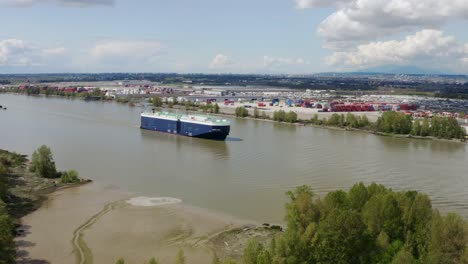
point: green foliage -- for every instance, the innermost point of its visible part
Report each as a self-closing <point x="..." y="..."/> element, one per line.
<point x="256" y="113"/>
<point x="367" y="224"/>
<point x="282" y="116"/>
<point x="3" y="169"/>
<point x="216" y="108"/>
<point x="120" y="261"/>
<point x="7" y="245"/>
<point x="70" y="176"/>
<point x="180" y="258"/>
<point x="215" y="259"/>
<point x="241" y="112"/>
<point x="153" y="261"/>
<point x="157" y="101"/>
<point x="403" y="257"/>
<point x="394" y="122"/>
<point x="42" y="163"/>
<point x="252" y="252"/>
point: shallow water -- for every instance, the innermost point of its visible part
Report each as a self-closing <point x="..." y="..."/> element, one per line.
<point x="247" y="175"/>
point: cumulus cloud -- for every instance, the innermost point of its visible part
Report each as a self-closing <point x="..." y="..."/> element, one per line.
<point x="17" y="53"/>
<point x="358" y="21"/>
<point x="72" y="3"/>
<point x="221" y="61"/>
<point x="269" y="61"/>
<point x="421" y="48"/>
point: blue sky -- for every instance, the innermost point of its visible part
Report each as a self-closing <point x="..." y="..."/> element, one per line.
<point x="256" y="36"/>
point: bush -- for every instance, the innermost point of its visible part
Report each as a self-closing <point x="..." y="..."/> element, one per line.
<point x="70" y="176"/>
<point x="242" y="112"/>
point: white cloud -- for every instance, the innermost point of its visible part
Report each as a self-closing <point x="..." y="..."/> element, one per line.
<point x="16" y="52"/>
<point x="303" y="4"/>
<point x="424" y="47"/>
<point x="221" y="61"/>
<point x="269" y="61"/>
<point x="71" y="3"/>
<point x="126" y="49"/>
<point x="54" y="51"/>
<point x="357" y="21"/>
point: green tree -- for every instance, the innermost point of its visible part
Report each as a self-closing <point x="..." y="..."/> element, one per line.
<point x="291" y="117"/>
<point x="403" y="257"/>
<point x="252" y="251"/>
<point x="241" y="112"/>
<point x="364" y="121"/>
<point x="157" y="101"/>
<point x="216" y="108"/>
<point x="448" y="239"/>
<point x="352" y="120"/>
<point x="180" y="258"/>
<point x="334" y="120"/>
<point x="120" y="261"/>
<point x="7" y="245"/>
<point x="256" y="113"/>
<point x="42" y="163"/>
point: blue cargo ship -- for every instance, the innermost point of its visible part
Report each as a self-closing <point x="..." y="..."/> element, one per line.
<point x="190" y="125"/>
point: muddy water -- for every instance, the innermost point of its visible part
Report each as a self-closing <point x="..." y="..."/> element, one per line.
<point x="245" y="176"/>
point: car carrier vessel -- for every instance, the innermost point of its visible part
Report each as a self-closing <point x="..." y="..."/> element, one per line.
<point x="191" y="125"/>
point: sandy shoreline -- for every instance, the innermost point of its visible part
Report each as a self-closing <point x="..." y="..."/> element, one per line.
<point x="96" y="224"/>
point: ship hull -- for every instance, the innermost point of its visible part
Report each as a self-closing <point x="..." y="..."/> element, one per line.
<point x="183" y="128"/>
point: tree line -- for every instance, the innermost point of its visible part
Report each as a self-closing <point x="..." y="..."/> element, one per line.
<point x="38" y="91"/>
<point x="398" y="123"/>
<point x="439" y="127"/>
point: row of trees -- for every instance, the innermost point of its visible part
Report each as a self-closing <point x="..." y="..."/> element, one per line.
<point x="440" y="127"/>
<point x="341" y="120"/>
<point x="38" y="90"/>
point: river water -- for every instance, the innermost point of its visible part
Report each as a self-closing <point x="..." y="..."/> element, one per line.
<point x="245" y="176"/>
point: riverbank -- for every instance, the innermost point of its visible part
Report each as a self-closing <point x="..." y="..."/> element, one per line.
<point x="301" y="122"/>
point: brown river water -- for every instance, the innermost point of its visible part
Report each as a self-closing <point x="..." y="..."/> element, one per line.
<point x="247" y="175"/>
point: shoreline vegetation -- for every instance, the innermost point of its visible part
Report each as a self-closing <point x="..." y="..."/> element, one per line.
<point x="391" y="123"/>
<point x="24" y="186"/>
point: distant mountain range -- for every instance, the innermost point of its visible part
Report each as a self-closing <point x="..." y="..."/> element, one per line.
<point x="392" y="69"/>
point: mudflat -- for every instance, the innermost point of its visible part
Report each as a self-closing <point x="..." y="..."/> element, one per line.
<point x="100" y="224"/>
<point x="48" y="232"/>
